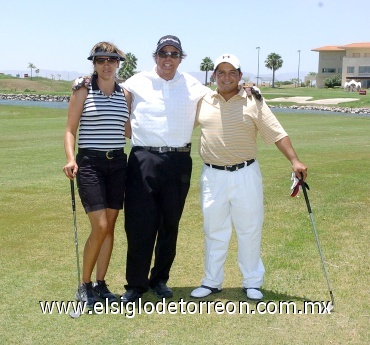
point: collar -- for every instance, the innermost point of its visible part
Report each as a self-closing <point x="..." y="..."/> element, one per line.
<point x="176" y="77"/>
<point x="241" y="93"/>
<point x="95" y="87"/>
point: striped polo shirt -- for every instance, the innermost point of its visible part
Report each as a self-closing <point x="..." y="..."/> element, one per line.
<point x="229" y="129"/>
<point x="102" y="123"/>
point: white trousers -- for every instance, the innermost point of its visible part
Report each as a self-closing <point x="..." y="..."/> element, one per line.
<point x="232" y="198"/>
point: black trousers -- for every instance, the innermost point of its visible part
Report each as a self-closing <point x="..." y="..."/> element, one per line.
<point x="156" y="188"/>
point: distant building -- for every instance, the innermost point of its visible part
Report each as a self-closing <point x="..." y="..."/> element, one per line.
<point x="351" y="62"/>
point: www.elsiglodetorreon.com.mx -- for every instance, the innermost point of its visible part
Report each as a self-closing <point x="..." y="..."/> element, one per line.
<point x="182" y="307"/>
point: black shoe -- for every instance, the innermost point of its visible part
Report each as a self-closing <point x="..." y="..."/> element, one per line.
<point x="101" y="289"/>
<point x="130" y="296"/>
<point x="162" y="290"/>
<point x="85" y="294"/>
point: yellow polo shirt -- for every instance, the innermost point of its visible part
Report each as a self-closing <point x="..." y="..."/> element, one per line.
<point x="229" y="129"/>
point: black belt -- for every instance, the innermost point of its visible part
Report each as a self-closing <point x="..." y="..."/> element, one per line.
<point x="164" y="149"/>
<point x="101" y="154"/>
<point x="231" y="167"/>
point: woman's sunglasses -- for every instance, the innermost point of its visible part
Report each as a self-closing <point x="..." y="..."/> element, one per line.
<point x="101" y="60"/>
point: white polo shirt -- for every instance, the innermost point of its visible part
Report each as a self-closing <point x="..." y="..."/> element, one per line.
<point x="163" y="112"/>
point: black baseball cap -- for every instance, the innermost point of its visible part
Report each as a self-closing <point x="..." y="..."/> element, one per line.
<point x="168" y="40"/>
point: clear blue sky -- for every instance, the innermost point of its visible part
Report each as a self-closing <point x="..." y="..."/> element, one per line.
<point x="58" y="35"/>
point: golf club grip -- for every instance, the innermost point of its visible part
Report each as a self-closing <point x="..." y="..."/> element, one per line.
<point x="304" y="189"/>
<point x="73" y="195"/>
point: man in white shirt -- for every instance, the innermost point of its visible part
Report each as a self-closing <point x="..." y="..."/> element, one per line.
<point x="163" y="107"/>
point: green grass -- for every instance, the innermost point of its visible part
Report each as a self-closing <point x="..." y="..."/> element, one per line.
<point x="36" y="85"/>
<point x="38" y="254"/>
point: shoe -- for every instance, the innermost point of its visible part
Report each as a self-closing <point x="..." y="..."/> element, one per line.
<point x="130" y="296"/>
<point x="254" y="294"/>
<point x="162" y="290"/>
<point x="101" y="289"/>
<point x="204" y="291"/>
<point x="85" y="294"/>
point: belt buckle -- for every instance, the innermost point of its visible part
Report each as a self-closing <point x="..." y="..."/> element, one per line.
<point x="107" y="155"/>
<point x="229" y="168"/>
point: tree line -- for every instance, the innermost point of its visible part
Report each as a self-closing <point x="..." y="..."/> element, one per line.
<point x="128" y="68"/>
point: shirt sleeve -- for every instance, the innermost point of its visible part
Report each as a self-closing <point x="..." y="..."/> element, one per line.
<point x="268" y="125"/>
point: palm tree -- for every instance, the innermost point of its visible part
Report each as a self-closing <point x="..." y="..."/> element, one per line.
<point x="274" y="62"/>
<point x="128" y="68"/>
<point x="311" y="76"/>
<point x="31" y="66"/>
<point x="206" y="65"/>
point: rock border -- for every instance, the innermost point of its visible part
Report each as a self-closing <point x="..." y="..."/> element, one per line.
<point x="31" y="97"/>
<point x="54" y="98"/>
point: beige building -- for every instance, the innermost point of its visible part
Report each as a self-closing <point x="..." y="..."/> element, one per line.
<point x="351" y="62"/>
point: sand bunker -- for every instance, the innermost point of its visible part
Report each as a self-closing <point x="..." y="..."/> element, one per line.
<point x="305" y="100"/>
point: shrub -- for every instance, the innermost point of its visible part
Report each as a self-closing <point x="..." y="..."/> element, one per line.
<point x="333" y="81"/>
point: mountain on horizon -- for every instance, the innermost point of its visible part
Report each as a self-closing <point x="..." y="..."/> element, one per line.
<point x="253" y="77"/>
<point x="45" y="73"/>
<point x="71" y="75"/>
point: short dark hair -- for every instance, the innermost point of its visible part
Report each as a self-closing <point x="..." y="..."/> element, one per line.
<point x="106" y="49"/>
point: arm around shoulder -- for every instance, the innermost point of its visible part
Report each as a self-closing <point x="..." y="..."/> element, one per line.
<point x="128" y="97"/>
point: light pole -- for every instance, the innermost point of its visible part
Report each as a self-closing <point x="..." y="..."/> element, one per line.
<point x="299" y="60"/>
<point x="258" y="64"/>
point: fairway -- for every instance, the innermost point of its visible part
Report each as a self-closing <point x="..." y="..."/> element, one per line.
<point x="38" y="255"/>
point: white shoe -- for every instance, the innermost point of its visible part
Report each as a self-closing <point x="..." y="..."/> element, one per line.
<point x="253" y="294"/>
<point x="203" y="291"/>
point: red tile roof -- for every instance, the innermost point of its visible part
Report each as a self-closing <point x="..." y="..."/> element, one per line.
<point x="327" y="48"/>
<point x="341" y="48"/>
<point x="357" y="45"/>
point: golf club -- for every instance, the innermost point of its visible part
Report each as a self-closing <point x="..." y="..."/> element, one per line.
<point x="73" y="313"/>
<point x="304" y="189"/>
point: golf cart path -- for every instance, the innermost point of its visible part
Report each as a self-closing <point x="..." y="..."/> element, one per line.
<point x="305" y="100"/>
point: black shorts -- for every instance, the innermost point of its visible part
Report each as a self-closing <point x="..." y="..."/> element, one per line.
<point x="101" y="180"/>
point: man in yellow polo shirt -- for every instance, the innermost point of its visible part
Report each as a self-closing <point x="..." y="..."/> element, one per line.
<point x="231" y="182"/>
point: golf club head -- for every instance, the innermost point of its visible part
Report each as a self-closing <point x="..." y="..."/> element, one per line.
<point x="328" y="308"/>
<point x="74" y="314"/>
<point x="331" y="307"/>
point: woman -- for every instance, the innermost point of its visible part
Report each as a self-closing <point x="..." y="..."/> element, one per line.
<point x="99" y="109"/>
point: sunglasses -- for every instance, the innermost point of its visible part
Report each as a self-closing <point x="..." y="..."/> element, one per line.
<point x="101" y="61"/>
<point x="173" y="55"/>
